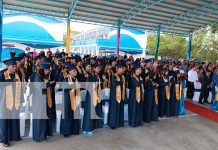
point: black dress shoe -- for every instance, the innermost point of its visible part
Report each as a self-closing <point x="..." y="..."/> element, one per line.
<point x="6" y="144"/>
<point x="200" y="102"/>
<point x="66" y="135"/>
<point x="206" y="102"/>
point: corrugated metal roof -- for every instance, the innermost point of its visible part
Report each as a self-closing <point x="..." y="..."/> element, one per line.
<point x="174" y="16"/>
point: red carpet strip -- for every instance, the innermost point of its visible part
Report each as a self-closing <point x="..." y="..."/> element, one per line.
<point x="202" y="111"/>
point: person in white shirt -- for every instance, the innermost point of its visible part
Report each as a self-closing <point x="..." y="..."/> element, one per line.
<point x="192" y="77"/>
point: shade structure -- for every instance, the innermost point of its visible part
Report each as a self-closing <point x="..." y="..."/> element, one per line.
<point x="33" y="31"/>
<point x="174" y="16"/>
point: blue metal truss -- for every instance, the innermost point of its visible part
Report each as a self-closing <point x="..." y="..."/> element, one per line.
<point x="138" y="9"/>
<point x="72" y="8"/>
<point x="196" y="13"/>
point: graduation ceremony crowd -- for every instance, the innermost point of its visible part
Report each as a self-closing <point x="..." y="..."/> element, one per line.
<point x="156" y="89"/>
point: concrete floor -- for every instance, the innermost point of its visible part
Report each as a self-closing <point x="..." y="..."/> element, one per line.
<point x="185" y="133"/>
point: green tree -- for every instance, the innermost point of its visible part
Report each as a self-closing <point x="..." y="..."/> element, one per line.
<point x="171" y="46"/>
<point x="204" y="45"/>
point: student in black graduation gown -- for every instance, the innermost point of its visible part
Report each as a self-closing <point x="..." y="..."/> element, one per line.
<point x="42" y="127"/>
<point x="175" y="90"/>
<point x="167" y="93"/>
<point x="136" y="97"/>
<point x="178" y="91"/>
<point x="117" y="98"/>
<point x="93" y="105"/>
<point x="161" y="92"/>
<point x="148" y="74"/>
<point x="70" y="122"/>
<point x="9" y="127"/>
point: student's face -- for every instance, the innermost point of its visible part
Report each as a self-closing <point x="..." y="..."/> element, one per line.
<point x="138" y="71"/>
<point x="18" y="64"/>
<point x="12" y="68"/>
<point x="73" y="73"/>
<point x="97" y="70"/>
<point x="88" y="68"/>
<point x="46" y="71"/>
<point x="121" y="70"/>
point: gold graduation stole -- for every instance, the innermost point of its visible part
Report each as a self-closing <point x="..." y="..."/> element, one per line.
<point x="74" y="99"/>
<point x="178" y="91"/>
<point x="23" y="75"/>
<point x="138" y="90"/>
<point x="64" y="72"/>
<point x="97" y="92"/>
<point x="26" y="65"/>
<point x="167" y="91"/>
<point x="124" y="87"/>
<point x="49" y="92"/>
<point x="120" y="96"/>
<point x="216" y="98"/>
<point x="156" y="96"/>
<point x="9" y="92"/>
<point x="37" y="68"/>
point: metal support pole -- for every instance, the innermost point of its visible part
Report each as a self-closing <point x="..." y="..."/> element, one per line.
<point x="157" y="42"/>
<point x="118" y="38"/>
<point x="68" y="37"/>
<point x="188" y="56"/>
<point x="1" y="20"/>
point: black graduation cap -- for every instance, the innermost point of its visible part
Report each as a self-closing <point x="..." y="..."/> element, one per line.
<point x="120" y="65"/>
<point x="176" y="72"/>
<point x="136" y="66"/>
<point x="21" y="55"/>
<point x="11" y="61"/>
<point x="95" y="65"/>
<point x="18" y="58"/>
<point x="67" y="64"/>
<point x="45" y="65"/>
<point x="61" y="61"/>
<point x="86" y="64"/>
<point x="71" y="67"/>
<point x="148" y="60"/>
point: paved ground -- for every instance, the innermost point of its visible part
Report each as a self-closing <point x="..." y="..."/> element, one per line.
<point x="187" y="133"/>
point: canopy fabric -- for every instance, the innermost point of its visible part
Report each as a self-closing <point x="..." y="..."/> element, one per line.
<point x="33" y="31"/>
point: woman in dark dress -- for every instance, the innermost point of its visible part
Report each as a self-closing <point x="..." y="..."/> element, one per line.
<point x="42" y="126"/>
<point x="70" y="122"/>
<point x="136" y="98"/>
<point x="93" y="112"/>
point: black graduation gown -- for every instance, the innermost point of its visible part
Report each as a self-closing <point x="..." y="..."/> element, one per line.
<point x="41" y="127"/>
<point x="90" y="124"/>
<point x="69" y="125"/>
<point x="174" y="103"/>
<point x="116" y="110"/>
<point x="161" y="96"/>
<point x="135" y="108"/>
<point x="9" y="128"/>
<point x="148" y="99"/>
